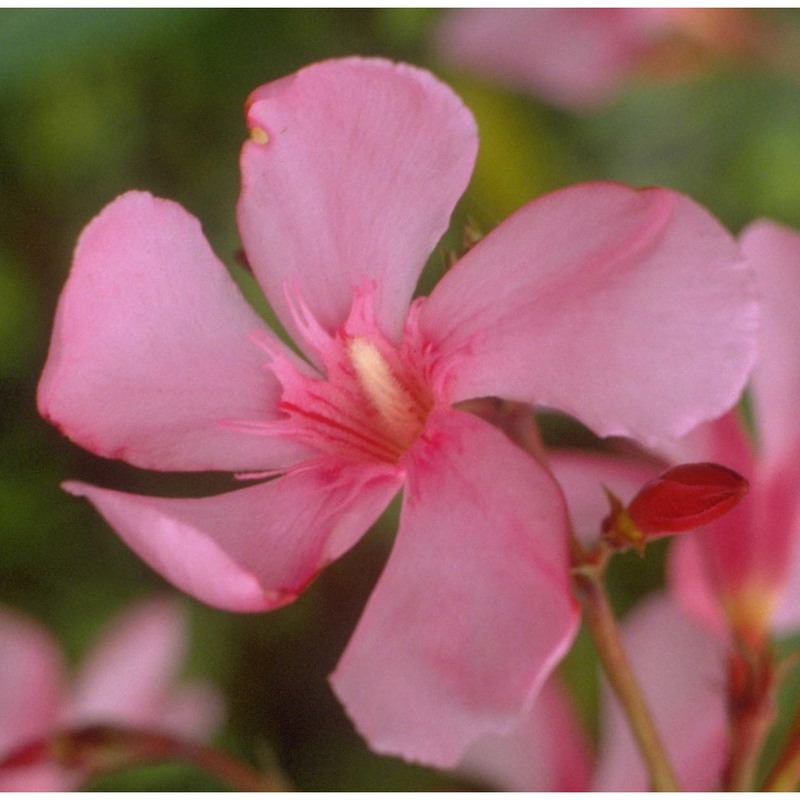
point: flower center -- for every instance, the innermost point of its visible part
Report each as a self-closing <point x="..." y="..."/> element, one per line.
<point x="401" y="413"/>
<point x="374" y="398"/>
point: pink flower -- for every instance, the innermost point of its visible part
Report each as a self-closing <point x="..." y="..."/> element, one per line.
<point x="744" y="570"/>
<point x="593" y="299"/>
<point x="580" y="58"/>
<point x="682" y="674"/>
<point x="127" y="679"/>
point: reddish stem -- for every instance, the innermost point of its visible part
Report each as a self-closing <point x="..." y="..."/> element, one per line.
<point x="98" y="749"/>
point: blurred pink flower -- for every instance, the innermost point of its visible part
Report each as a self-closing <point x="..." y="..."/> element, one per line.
<point x="744" y="569"/>
<point x="682" y="673"/>
<point x="580" y="58"/>
<point x="592" y="299"/>
<point x="128" y="678"/>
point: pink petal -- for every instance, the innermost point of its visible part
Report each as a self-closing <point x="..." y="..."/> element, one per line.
<point x="196" y="709"/>
<point x="629" y="309"/>
<point x="150" y="348"/>
<point x="31" y="681"/>
<point x="723" y="441"/>
<point x="127" y="677"/>
<point x="573" y="57"/>
<point x="747" y="557"/>
<point x="256" y="548"/>
<point x="582" y="477"/>
<point x="717" y="558"/>
<point x="692" y="583"/>
<point x="774" y="253"/>
<point x="547" y="752"/>
<point x="42" y="777"/>
<point x="681" y="670"/>
<point x="774" y="556"/>
<point x="474" y="607"/>
<point x="364" y="162"/>
<point x="787" y="612"/>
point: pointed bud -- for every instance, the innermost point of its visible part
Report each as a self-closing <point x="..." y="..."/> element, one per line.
<point x="681" y="499"/>
<point x="686" y="497"/>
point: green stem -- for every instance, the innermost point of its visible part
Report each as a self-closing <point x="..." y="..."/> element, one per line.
<point x="785" y="775"/>
<point x="604" y="630"/>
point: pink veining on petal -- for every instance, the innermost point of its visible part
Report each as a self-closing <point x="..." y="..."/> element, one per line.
<point x="439" y="658"/>
<point x="357" y="171"/>
<point x="575" y="298"/>
<point x="149" y="348"/>
<point x="373" y="396"/>
<point x="255" y="548"/>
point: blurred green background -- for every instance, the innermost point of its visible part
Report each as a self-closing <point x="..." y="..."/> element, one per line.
<point x="95" y="102"/>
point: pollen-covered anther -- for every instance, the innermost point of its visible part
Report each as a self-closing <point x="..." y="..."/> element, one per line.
<point x="400" y="407"/>
<point x="258" y="135"/>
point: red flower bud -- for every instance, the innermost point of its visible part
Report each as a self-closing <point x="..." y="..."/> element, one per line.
<point x="686" y="497"/>
<point x="681" y="499"/>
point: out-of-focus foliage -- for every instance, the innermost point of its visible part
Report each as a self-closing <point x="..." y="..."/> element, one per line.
<point x="95" y="102"/>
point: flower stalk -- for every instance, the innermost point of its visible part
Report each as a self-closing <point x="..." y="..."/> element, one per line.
<point x="785" y="775"/>
<point x="588" y="572"/>
<point x="751" y="697"/>
<point x="99" y="749"/>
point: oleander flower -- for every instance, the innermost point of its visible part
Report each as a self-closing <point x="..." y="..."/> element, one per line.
<point x="127" y="679"/>
<point x="581" y="58"/>
<point x="629" y="309"/>
<point x="743" y="571"/>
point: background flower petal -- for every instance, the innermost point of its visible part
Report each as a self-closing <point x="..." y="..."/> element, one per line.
<point x="473" y="609"/>
<point x="574" y="57"/>
<point x="681" y="670"/>
<point x="150" y="347"/>
<point x="547" y="752"/>
<point x="195" y="709"/>
<point x="364" y="163"/>
<point x="130" y="675"/>
<point x="251" y="549"/>
<point x="747" y="557"/>
<point x="32" y="674"/>
<point x="774" y="253"/>
<point x="583" y="475"/>
<point x="629" y="309"/>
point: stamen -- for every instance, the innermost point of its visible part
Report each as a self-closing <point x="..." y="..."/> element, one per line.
<point x="389" y="397"/>
<point x="367" y="399"/>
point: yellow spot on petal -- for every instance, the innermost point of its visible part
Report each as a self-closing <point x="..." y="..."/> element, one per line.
<point x="258" y="135"/>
